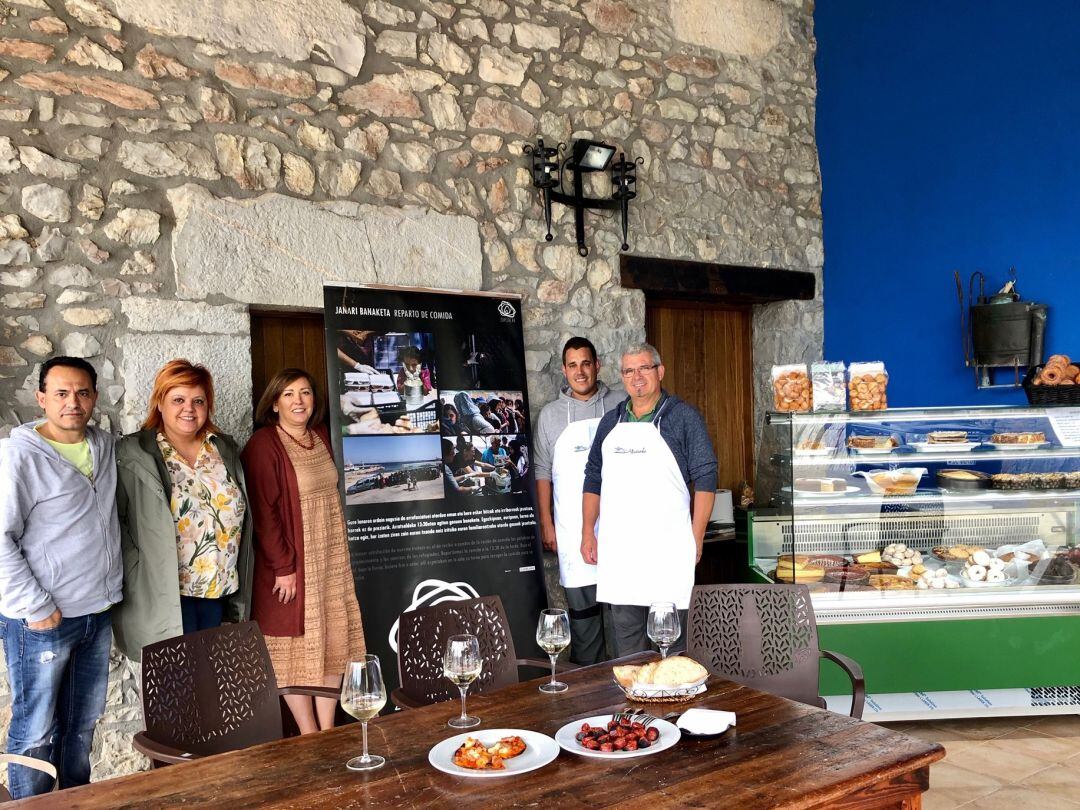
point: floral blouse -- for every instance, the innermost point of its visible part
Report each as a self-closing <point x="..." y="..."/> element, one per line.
<point x="208" y="509"/>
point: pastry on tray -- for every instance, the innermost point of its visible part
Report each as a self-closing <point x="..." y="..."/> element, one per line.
<point x="803" y="568"/>
<point x="891" y="582"/>
<point x="955" y="553"/>
<point x="896" y="482"/>
<point x="947" y="436"/>
<point x="872" y="442"/>
<point x="874" y="567"/>
<point x="962" y="475"/>
<point x="820" y="485"/>
<point x="1027" y="437"/>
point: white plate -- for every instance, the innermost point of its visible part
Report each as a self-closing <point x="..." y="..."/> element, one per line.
<point x="935" y="447"/>
<point x="565" y="736"/>
<point x="817" y="451"/>
<point x="802" y="494"/>
<point x="1032" y="446"/>
<point x="971" y="583"/>
<point x="540" y="751"/>
<point x="871" y="451"/>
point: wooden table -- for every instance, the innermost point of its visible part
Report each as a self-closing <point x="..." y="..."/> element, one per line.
<point x="781" y="754"/>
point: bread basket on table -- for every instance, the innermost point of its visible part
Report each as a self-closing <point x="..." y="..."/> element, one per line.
<point x="672" y="680"/>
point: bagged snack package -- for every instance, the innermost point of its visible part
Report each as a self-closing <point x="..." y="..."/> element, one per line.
<point x="867" y="383"/>
<point x="791" y="387"/>
<point x="827" y="386"/>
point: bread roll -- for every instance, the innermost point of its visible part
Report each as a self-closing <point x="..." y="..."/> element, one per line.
<point x="645" y="673"/>
<point x="625" y="675"/>
<point x="678" y="671"/>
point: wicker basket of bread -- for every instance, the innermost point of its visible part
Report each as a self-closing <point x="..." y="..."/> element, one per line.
<point x="672" y="680"/>
<point x="1055" y="383"/>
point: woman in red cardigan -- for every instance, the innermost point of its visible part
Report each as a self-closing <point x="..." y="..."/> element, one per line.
<point x="303" y="595"/>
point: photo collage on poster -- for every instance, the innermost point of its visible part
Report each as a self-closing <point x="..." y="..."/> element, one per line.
<point x="404" y="438"/>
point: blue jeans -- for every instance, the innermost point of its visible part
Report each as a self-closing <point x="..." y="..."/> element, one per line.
<point x="58" y="681"/>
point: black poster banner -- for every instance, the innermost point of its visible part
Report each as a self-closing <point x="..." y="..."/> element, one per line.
<point x="430" y="419"/>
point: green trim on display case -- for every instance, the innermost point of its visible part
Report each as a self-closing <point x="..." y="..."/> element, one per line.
<point x="930" y="656"/>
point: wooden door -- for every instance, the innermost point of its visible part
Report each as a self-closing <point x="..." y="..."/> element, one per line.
<point x="708" y="361"/>
<point x="286" y="340"/>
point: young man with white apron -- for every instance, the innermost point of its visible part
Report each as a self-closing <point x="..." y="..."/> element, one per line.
<point x="646" y="456"/>
<point x="564" y="434"/>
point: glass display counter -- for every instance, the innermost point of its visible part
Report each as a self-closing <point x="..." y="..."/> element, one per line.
<point x="940" y="548"/>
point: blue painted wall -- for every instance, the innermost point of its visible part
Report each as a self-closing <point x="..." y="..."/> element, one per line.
<point x="949" y="138"/>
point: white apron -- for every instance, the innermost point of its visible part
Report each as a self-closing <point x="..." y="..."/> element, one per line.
<point x="645" y="542"/>
<point x="567" y="479"/>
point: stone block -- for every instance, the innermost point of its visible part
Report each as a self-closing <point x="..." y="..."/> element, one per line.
<point x="275" y="249"/>
<point x="157" y="315"/>
<point x="741" y="27"/>
<point x="331" y="27"/>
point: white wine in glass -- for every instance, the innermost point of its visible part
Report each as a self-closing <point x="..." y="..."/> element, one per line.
<point x="462" y="665"/>
<point x="663" y="627"/>
<point x="553" y="636"/>
<point x="363" y="696"/>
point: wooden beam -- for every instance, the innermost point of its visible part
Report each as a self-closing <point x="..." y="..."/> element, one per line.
<point x="674" y="279"/>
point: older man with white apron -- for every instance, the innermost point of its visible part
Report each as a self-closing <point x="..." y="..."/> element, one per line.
<point x="646" y="456"/>
<point x="564" y="434"/>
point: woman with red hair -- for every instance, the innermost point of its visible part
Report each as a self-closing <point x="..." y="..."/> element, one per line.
<point x="185" y="527"/>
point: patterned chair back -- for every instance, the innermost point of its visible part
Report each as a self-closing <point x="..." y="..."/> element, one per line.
<point x="211" y="691"/>
<point x="764" y="636"/>
<point x="422" y="635"/>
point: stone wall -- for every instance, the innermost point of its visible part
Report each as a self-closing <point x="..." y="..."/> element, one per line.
<point x="166" y="163"/>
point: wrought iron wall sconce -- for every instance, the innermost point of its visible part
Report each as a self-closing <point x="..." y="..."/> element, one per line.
<point x="586" y="156"/>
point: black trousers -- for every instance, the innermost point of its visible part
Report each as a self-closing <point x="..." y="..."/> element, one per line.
<point x="586" y="625"/>
<point x="630" y="621"/>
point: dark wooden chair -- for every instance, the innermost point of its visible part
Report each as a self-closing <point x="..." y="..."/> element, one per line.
<point x="764" y="636"/>
<point x="212" y="691"/>
<point x="422" y="635"/>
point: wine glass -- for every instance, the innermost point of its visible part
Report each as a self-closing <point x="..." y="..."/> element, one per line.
<point x="461" y="666"/>
<point x="363" y="695"/>
<point x="553" y="635"/>
<point x="664" y="627"/>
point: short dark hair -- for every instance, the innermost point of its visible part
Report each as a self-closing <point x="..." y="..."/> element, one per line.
<point x="447" y="447"/>
<point x="408" y="353"/>
<point x="578" y="342"/>
<point x="67" y="362"/>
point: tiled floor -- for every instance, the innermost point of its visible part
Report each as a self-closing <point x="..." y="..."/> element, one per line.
<point x="1007" y="763"/>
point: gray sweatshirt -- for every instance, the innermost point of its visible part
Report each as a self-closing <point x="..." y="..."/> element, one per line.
<point x="556" y="415"/>
<point x="59" y="535"/>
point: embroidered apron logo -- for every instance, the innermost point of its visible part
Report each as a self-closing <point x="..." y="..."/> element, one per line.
<point x="506" y="309"/>
<point x="631" y="450"/>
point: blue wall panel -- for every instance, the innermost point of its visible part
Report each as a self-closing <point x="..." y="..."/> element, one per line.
<point x="949" y="136"/>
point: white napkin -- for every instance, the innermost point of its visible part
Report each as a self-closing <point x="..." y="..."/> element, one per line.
<point x="705" y="721"/>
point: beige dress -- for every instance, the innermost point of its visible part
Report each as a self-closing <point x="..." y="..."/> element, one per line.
<point x="333" y="633"/>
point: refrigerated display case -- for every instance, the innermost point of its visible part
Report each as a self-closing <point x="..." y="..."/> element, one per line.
<point x="940" y="547"/>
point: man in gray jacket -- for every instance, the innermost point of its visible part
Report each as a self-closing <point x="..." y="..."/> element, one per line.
<point x="60" y="572"/>
<point x="564" y="433"/>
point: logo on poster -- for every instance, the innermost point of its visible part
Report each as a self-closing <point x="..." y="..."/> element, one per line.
<point x="506" y="309"/>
